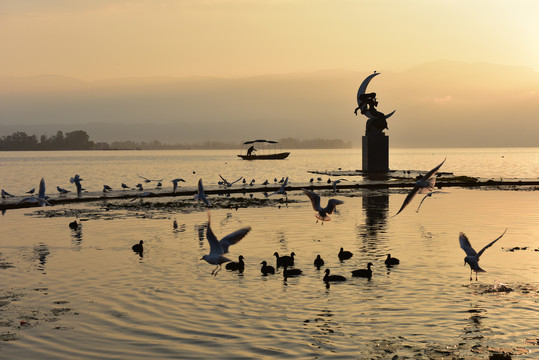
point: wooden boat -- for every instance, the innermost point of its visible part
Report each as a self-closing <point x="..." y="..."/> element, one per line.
<point x="267" y="150"/>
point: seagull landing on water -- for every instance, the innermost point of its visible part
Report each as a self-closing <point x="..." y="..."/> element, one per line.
<point x="322" y="213"/>
<point x="220" y="247"/>
<point x="472" y="257"/>
<point x="423" y="185"/>
<point x="200" y="194"/>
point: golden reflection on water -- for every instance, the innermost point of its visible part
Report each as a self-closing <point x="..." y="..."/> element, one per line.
<point x="85" y="294"/>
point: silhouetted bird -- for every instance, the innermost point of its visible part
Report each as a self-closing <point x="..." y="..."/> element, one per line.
<point x="124" y="186"/>
<point x="472" y="257"/>
<point x="291" y="272"/>
<point x="391" y="260"/>
<point x="285" y="260"/>
<point x="322" y="213"/>
<point x="220" y="247"/>
<point x="365" y="273"/>
<point x="31" y="191"/>
<point x="423" y="185"/>
<point x="5" y="194"/>
<point x="200" y="194"/>
<point x="138" y="248"/>
<point x="106" y="188"/>
<point x="328" y="277"/>
<point x="267" y="269"/>
<point x="76" y="180"/>
<point x="318" y="262"/>
<point x="74" y="225"/>
<point x="344" y="254"/>
<point x="236" y="266"/>
<point x="175" y="184"/>
<point x="62" y="191"/>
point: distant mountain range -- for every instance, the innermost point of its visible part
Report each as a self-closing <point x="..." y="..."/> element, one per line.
<point x="441" y="103"/>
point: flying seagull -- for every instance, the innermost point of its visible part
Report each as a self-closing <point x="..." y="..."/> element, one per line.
<point x="472" y="257"/>
<point x="429" y="195"/>
<point x="229" y="184"/>
<point x="423" y="185"/>
<point x="76" y="180"/>
<point x="200" y="194"/>
<point x="146" y="180"/>
<point x="220" y="247"/>
<point x="282" y="190"/>
<point x="322" y="213"/>
<point x="175" y="184"/>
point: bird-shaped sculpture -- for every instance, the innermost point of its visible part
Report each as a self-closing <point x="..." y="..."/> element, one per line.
<point x="218" y="248"/>
<point x="472" y="257"/>
<point x="322" y="213"/>
<point x="423" y="185"/>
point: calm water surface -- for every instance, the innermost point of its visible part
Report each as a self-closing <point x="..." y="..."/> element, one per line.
<point x="84" y="294"/>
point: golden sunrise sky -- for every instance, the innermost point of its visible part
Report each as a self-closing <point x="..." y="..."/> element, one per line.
<point x="98" y="39"/>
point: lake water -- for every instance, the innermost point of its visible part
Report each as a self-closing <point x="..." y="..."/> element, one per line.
<point x="85" y="294"/>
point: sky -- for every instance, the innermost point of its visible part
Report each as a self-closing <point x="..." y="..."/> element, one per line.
<point x="97" y="39"/>
<point x="447" y="66"/>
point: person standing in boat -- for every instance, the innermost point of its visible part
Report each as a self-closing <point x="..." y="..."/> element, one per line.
<point x="251" y="150"/>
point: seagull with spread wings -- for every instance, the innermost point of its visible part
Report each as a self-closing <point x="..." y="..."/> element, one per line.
<point x="218" y="248"/>
<point x="422" y="186"/>
<point x="200" y="194"/>
<point x="472" y="257"/>
<point x="322" y="213"/>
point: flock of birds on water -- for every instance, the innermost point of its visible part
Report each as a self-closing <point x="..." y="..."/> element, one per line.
<point x="218" y="248"/>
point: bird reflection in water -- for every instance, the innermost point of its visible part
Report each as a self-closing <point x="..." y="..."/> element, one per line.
<point x="41" y="251"/>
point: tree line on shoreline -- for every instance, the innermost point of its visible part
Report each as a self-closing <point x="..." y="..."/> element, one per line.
<point x="80" y="140"/>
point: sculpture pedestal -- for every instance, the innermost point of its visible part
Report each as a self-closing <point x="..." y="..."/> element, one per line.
<point x="375" y="153"/>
